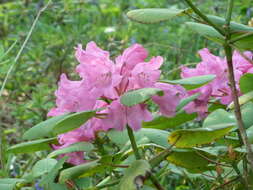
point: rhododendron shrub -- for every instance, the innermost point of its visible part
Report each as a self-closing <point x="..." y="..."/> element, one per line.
<point x="126" y="125"/>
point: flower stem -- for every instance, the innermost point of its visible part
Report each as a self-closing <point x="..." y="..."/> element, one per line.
<point x="133" y="143"/>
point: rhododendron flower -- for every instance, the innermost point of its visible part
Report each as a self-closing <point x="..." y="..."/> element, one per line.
<point x="219" y="87"/>
<point x="101" y="85"/>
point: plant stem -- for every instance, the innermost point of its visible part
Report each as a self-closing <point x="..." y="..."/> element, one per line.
<point x="133" y="143"/>
<point x="204" y="17"/>
<point x="238" y="115"/>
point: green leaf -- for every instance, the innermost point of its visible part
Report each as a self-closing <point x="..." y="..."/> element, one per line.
<point x="80" y="146"/>
<point x="249" y="132"/>
<point x="219" y="116"/>
<point x="192" y="82"/>
<point x="154" y="15"/>
<point x="163" y="122"/>
<point x="186" y="101"/>
<point x="247" y="112"/>
<point x="9" y="183"/>
<point x="47" y="179"/>
<point x="72" y="121"/>
<point x="43" y="129"/>
<point x="242" y="99"/>
<point x="187" y="138"/>
<point x="156" y="136"/>
<point x="43" y="167"/>
<point x="136" y="169"/>
<point x="56" y="186"/>
<point x="246" y="83"/>
<point x="190" y="159"/>
<point x="77" y="171"/>
<point x="206" y="31"/>
<point x="32" y="146"/>
<point x="245" y="41"/>
<point x="234" y="27"/>
<point x="134" y="97"/>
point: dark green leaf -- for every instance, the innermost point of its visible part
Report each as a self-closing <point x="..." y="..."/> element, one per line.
<point x="72" y="121"/>
<point x="163" y="122"/>
<point x="187" y="138"/>
<point x="43" y="167"/>
<point x="246" y="83"/>
<point x="137" y="168"/>
<point x="32" y="146"/>
<point x="192" y="82"/>
<point x="134" y="97"/>
<point x="80" y="146"/>
<point x="43" y="129"/>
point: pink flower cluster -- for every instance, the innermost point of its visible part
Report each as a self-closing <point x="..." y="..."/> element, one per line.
<point x="219" y="88"/>
<point x="102" y="83"/>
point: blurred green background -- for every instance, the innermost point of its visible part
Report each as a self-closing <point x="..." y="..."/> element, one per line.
<point x="29" y="92"/>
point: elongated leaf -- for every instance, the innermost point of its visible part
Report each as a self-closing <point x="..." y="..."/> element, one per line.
<point x="187" y="138"/>
<point x="245" y="42"/>
<point x="43" y="129"/>
<point x="76" y="171"/>
<point x="219" y="116"/>
<point x="190" y="159"/>
<point x="154" y="15"/>
<point x="246" y="83"/>
<point x="235" y="27"/>
<point x="80" y="146"/>
<point x="162" y="122"/>
<point x="242" y="99"/>
<point x="43" y="167"/>
<point x="137" y="168"/>
<point x="250" y="134"/>
<point x="32" y="146"/>
<point x="72" y="121"/>
<point x="192" y="82"/>
<point x="134" y="97"/>
<point x="186" y="101"/>
<point x="247" y="112"/>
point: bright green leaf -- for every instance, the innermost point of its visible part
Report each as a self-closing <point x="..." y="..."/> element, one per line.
<point x="242" y="99"/>
<point x="154" y="15"/>
<point x="192" y="82"/>
<point x="134" y="97"/>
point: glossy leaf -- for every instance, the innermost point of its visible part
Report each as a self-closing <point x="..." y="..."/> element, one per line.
<point x="192" y="82"/>
<point x="246" y="83"/>
<point x="134" y="97"/>
<point x="43" y="129"/>
<point x="247" y="113"/>
<point x="9" y="183"/>
<point x="250" y="134"/>
<point x="72" y="121"/>
<point x="163" y="122"/>
<point x="187" y="138"/>
<point x="154" y="15"/>
<point x="43" y="167"/>
<point x="80" y="146"/>
<point x="136" y="169"/>
<point x="32" y="146"/>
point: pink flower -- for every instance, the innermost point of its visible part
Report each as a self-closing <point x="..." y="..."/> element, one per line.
<point x="146" y="74"/>
<point x="72" y="96"/>
<point x="119" y="116"/>
<point x="171" y="98"/>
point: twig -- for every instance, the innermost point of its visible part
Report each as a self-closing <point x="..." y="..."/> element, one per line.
<point x="9" y="49"/>
<point x="226" y="183"/>
<point x="23" y="46"/>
